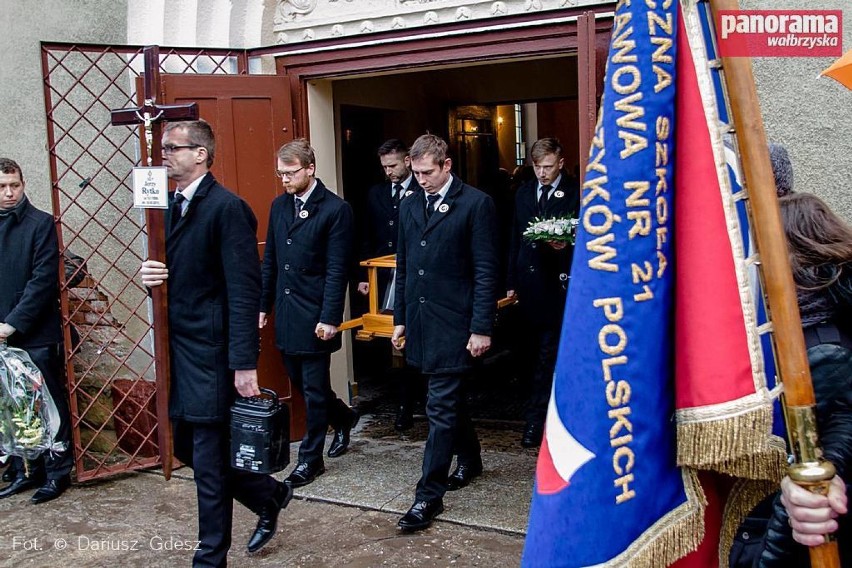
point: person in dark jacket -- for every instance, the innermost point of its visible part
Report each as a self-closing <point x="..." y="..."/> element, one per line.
<point x="381" y="231"/>
<point x="213" y="271"/>
<point x="538" y="274"/>
<point x="305" y="273"/>
<point x="30" y="320"/>
<point x="444" y="310"/>
<point x="820" y="247"/>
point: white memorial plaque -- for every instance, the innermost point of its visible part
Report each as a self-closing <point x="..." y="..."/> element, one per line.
<point x="150" y="188"/>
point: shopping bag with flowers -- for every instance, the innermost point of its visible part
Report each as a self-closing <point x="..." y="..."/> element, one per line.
<point x="29" y="420"/>
<point x="554" y="230"/>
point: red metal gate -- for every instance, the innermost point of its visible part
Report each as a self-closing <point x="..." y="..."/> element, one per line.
<point x="109" y="353"/>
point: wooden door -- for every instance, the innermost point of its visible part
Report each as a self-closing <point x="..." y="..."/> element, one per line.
<point x="252" y="117"/>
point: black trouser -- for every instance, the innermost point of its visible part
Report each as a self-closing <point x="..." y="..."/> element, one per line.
<point x="410" y="386"/>
<point x="311" y="376"/>
<point x="205" y="448"/>
<point x="450" y="432"/>
<point x="542" y="353"/>
<point x="55" y="464"/>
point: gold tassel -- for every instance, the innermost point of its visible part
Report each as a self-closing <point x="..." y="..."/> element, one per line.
<point x="737" y="445"/>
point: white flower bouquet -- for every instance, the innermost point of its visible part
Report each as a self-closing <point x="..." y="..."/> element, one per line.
<point x="557" y="229"/>
<point x="29" y="420"/>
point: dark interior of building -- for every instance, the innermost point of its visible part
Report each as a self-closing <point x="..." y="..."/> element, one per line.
<point x="490" y="114"/>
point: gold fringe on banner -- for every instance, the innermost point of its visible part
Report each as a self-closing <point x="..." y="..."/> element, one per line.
<point x="768" y="464"/>
<point x="736" y="444"/>
<point x="672" y="537"/>
<point x="744" y="496"/>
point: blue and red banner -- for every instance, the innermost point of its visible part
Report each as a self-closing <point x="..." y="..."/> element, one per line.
<point x="608" y="489"/>
<point x="665" y="362"/>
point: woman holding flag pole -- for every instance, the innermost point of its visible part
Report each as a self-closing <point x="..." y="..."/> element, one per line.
<point x="820" y="246"/>
<point x="809" y="470"/>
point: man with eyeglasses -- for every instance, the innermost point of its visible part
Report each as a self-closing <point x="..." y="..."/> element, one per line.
<point x="538" y="275"/>
<point x="306" y="266"/>
<point x="213" y="270"/>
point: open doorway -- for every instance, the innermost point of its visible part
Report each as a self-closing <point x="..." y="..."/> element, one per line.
<point x="490" y="114"/>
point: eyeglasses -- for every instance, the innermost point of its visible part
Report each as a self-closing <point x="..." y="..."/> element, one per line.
<point x="288" y="175"/>
<point x="170" y="148"/>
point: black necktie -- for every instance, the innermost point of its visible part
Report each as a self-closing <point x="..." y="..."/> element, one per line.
<point x="542" y="200"/>
<point x="177" y="208"/>
<point x="430" y="207"/>
<point x="397" y="193"/>
<point x="297" y="207"/>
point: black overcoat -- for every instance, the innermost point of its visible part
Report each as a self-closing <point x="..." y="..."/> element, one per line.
<point x="382" y="220"/>
<point x="29" y="278"/>
<point x="382" y="228"/>
<point x="306" y="269"/>
<point x="446" y="286"/>
<point x="214" y="292"/>
<point x="538" y="273"/>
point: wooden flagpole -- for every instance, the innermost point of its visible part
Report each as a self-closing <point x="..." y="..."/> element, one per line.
<point x="809" y="469"/>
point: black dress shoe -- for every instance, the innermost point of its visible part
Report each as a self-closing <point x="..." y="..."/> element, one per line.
<point x="52" y="489"/>
<point x="340" y="443"/>
<point x="20" y="484"/>
<point x="267" y="520"/>
<point x="463" y="475"/>
<point x="421" y="515"/>
<point x="9" y="475"/>
<point x="305" y="473"/>
<point x="532" y="436"/>
<point x="404" y="419"/>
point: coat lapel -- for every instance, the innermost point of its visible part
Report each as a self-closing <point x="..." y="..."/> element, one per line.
<point x="445" y="207"/>
<point x="566" y="194"/>
<point x="309" y="209"/>
<point x="200" y="193"/>
<point x="386" y="199"/>
<point x="414" y="196"/>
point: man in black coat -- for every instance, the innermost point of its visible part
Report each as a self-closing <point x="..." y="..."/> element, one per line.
<point x="538" y="275"/>
<point x="444" y="314"/>
<point x="380" y="234"/>
<point x="30" y="320"/>
<point x="305" y="272"/>
<point x="214" y="291"/>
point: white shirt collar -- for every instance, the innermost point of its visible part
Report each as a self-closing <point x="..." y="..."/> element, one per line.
<point x="442" y="193"/>
<point x="305" y="196"/>
<point x="188" y="192"/>
<point x="404" y="183"/>
<point x="553" y="186"/>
